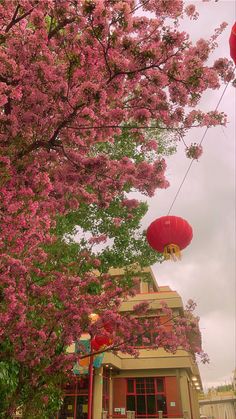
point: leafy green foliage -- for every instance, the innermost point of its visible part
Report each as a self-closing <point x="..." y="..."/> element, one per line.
<point x="225" y="387"/>
<point x="131" y="143"/>
<point x="9" y="371"/>
<point x="40" y="404"/>
<point x="127" y="244"/>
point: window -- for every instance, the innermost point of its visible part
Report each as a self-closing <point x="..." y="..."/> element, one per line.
<point x="146" y="396"/>
<point x="75" y="405"/>
<point x="68" y="408"/>
<point x="130" y="386"/>
<point x="147" y="339"/>
<point x="140" y="385"/>
<point x="130" y="405"/>
<point x="105" y="390"/>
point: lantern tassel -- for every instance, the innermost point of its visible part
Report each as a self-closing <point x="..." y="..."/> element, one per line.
<point x="172" y="251"/>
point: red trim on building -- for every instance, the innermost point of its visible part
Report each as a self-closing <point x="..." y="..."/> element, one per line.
<point x="147" y="395"/>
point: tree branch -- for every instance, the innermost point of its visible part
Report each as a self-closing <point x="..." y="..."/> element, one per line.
<point x="8" y="83"/>
<point x="15" y="20"/>
<point x="105" y="50"/>
<point x="130" y="72"/>
<point x="52" y="141"/>
<point x="148" y="67"/>
<point x="60" y="26"/>
<point x="115" y="347"/>
<point x="84" y="127"/>
<point x="13" y="17"/>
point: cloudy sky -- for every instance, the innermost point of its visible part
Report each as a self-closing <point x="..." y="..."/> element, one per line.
<point x="206" y="272"/>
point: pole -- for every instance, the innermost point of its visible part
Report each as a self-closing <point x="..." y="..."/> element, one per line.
<point x="90" y="389"/>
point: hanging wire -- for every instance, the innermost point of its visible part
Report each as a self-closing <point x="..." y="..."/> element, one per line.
<point x="200" y="143"/>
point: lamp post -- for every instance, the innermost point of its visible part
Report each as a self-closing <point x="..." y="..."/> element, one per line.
<point x="90" y="387"/>
<point x="94" y="346"/>
<point x="93" y="317"/>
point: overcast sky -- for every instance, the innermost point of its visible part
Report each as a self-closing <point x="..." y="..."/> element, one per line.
<point x="206" y="272"/>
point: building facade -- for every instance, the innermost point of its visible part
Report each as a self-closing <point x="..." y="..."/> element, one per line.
<point x="218" y="405"/>
<point x="156" y="384"/>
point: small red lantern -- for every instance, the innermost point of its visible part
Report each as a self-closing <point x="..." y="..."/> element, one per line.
<point x="232" y="43"/>
<point x="169" y="235"/>
<point x="99" y="342"/>
<point x="108" y="326"/>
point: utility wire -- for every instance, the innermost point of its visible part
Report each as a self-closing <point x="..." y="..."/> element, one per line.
<point x="200" y="143"/>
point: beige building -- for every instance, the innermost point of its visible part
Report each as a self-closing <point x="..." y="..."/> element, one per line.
<point x="156" y="384"/>
<point x="219" y="405"/>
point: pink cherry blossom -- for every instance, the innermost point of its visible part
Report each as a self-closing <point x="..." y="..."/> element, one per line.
<point x="194" y="151"/>
<point x="77" y="81"/>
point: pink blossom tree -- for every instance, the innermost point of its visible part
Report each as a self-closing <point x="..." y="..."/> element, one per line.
<point x="82" y="84"/>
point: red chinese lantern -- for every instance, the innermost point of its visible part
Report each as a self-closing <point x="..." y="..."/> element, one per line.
<point x="109" y="326"/>
<point x="169" y="235"/>
<point x="99" y="342"/>
<point x="232" y="43"/>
